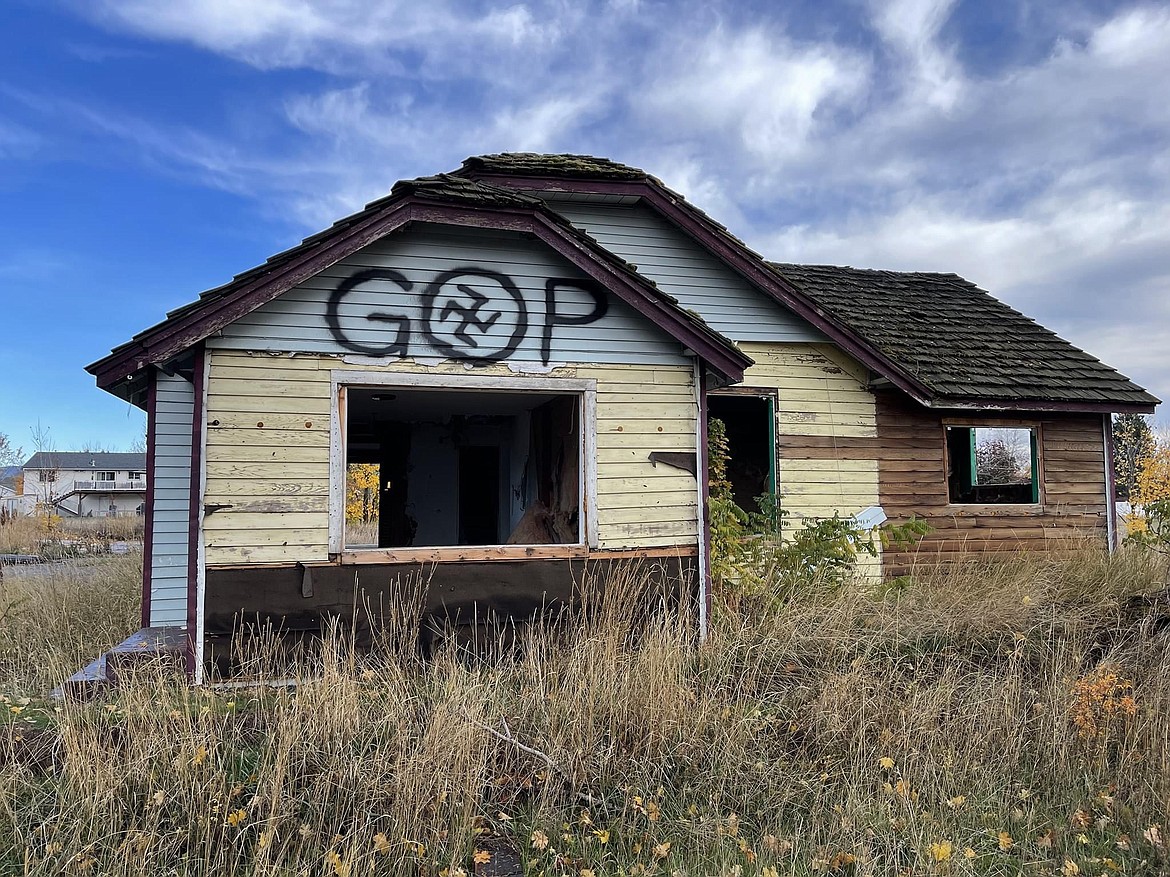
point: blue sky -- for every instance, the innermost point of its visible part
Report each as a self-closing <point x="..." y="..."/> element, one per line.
<point x="150" y="150"/>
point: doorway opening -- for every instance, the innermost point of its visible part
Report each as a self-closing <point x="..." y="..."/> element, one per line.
<point x="750" y="422"/>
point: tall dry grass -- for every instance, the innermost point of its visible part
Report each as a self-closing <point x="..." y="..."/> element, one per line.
<point x="44" y="534"/>
<point x="960" y="725"/>
<point x="56" y="618"/>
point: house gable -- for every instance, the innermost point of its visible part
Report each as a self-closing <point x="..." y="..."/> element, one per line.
<point x="432" y="292"/>
<point x="443" y="200"/>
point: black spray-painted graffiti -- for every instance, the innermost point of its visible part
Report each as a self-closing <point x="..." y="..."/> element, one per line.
<point x="460" y="308"/>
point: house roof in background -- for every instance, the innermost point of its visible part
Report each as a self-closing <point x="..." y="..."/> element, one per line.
<point x="536" y="164"/>
<point x="86" y="461"/>
<point x="958" y="340"/>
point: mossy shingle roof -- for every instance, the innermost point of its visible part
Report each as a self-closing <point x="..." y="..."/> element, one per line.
<point x="535" y="164"/>
<point x="958" y="340"/>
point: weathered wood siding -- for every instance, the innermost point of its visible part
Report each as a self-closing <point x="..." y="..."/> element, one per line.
<point x="275" y="477"/>
<point x="913" y="482"/>
<point x="822" y="405"/>
<point x="679" y="266"/>
<point x="299" y="319"/>
<point x="174" y="408"/>
<point x="823" y="411"/>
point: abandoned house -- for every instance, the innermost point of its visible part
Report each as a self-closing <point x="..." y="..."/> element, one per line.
<point x="525" y="354"/>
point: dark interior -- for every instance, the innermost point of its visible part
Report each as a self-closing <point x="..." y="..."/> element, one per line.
<point x="749" y="423"/>
<point x="462" y="467"/>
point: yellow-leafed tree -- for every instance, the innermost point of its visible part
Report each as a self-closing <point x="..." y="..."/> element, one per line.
<point x="361" y="492"/>
<point x="1153" y="479"/>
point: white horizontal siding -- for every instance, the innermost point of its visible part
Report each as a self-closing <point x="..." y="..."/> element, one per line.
<point x="174" y="408"/>
<point x="685" y="270"/>
<point x="297" y="320"/>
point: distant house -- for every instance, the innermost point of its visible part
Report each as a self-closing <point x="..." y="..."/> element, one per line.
<point x="11" y="485"/>
<point x="529" y="351"/>
<point x="83" y="484"/>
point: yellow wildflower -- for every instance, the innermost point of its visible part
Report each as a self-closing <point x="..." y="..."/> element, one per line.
<point x="481" y="857"/>
<point x="942" y="850"/>
<point x="1005" y="841"/>
<point x="341" y="868"/>
<point x="602" y="835"/>
<point x="886" y="762"/>
<point x="539" y="840"/>
<point x="968" y="853"/>
<point x="236" y="818"/>
<point x="200" y="756"/>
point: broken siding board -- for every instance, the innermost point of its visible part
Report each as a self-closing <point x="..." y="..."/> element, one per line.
<point x="682" y="268"/>
<point x="174" y="411"/>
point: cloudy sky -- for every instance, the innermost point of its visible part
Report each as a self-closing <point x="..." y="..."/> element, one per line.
<point x="150" y="149"/>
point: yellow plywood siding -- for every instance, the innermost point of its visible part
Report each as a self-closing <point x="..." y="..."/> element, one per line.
<point x="822" y="396"/>
<point x="268" y="453"/>
<point x="641" y="409"/>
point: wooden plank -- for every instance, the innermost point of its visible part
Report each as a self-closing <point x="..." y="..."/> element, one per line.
<point x="234" y="554"/>
<point x="306" y="472"/>
<point x="462" y="554"/>
<point x="220" y="404"/>
<point x="274" y="456"/>
<point x="261" y="488"/>
<point x="234" y="536"/>
<point x="237" y="519"/>
<point x="265" y="436"/>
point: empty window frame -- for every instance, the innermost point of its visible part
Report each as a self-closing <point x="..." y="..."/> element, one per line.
<point x="749" y="417"/>
<point x="484" y="462"/>
<point x="993" y="464"/>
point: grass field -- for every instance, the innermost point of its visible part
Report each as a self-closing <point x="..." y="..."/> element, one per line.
<point x="999" y="718"/>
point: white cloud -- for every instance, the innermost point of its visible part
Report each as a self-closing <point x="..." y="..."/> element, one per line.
<point x="753" y="89"/>
<point x="911" y="28"/>
<point x="1045" y="181"/>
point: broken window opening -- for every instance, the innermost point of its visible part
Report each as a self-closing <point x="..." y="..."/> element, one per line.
<point x="751" y="439"/>
<point x="463" y="467"/>
<point x="992" y="465"/>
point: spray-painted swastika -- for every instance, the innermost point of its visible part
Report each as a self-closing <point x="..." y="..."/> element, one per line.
<point x="469" y="313"/>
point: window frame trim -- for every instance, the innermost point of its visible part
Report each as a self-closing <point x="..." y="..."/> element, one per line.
<point x="1037" y="450"/>
<point x="341" y="379"/>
